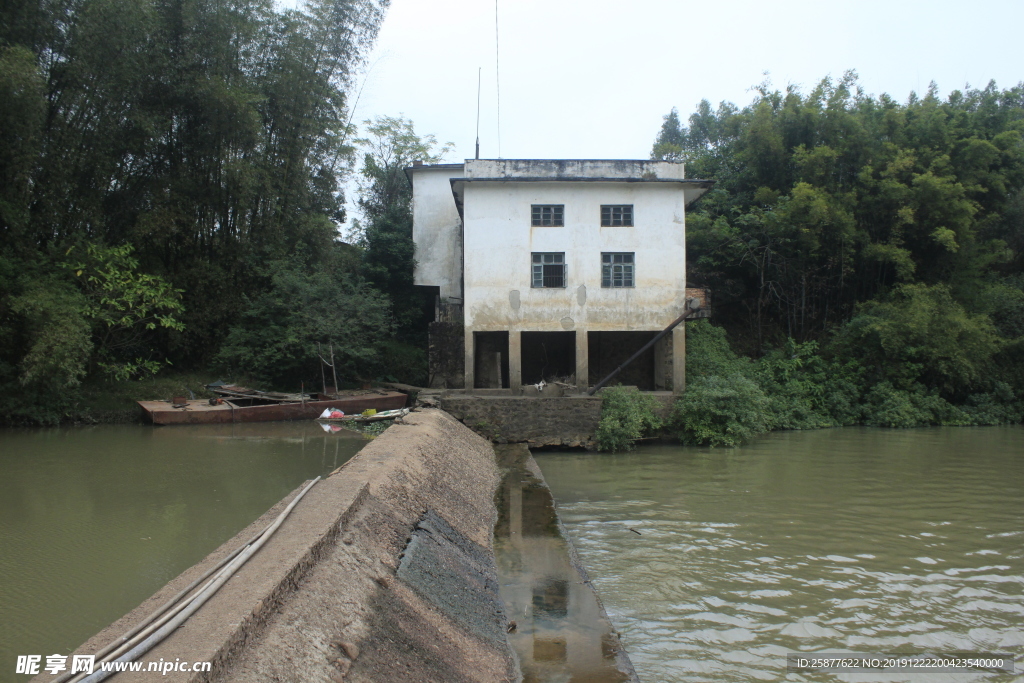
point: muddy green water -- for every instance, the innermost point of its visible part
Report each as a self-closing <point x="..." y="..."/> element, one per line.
<point x="94" y="520"/>
<point x="855" y="540"/>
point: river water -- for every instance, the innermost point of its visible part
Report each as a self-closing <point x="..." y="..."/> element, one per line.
<point x="714" y="564"/>
<point x="94" y="520"/>
<point x="837" y="540"/>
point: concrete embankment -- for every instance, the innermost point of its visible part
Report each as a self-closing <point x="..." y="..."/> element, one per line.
<point x="562" y="630"/>
<point x="383" y="572"/>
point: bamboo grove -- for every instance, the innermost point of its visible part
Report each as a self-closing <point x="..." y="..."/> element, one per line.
<point x="171" y="171"/>
<point x="865" y="254"/>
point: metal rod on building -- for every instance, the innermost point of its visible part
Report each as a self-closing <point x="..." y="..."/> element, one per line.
<point x="646" y="346"/>
<point x="478" y="72"/>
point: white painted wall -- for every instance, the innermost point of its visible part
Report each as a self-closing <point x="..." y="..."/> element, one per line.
<point x="499" y="241"/>
<point x="437" y="229"/>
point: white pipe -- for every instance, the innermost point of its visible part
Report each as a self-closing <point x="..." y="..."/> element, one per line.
<point x="184" y="612"/>
<point x="135" y="630"/>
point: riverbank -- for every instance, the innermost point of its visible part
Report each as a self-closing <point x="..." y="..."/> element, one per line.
<point x="99" y="401"/>
<point x="108" y="401"/>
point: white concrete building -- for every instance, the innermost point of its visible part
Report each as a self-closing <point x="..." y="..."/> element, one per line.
<point x="554" y="269"/>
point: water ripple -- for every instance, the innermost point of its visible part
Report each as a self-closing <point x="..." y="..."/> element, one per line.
<point x="855" y="539"/>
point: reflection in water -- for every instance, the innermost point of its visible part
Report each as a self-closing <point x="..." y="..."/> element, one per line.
<point x="854" y="540"/>
<point x="93" y="520"/>
<point x="561" y="633"/>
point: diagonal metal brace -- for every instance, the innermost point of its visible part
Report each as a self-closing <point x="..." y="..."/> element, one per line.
<point x="692" y="311"/>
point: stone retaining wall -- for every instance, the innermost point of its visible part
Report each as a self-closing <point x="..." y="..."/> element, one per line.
<point x="538" y="421"/>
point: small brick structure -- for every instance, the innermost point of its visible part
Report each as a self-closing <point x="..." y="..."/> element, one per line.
<point x="446" y="355"/>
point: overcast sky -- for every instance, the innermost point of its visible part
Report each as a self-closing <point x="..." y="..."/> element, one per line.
<point x="593" y="79"/>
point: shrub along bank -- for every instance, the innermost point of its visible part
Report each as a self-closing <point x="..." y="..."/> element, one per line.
<point x="921" y="359"/>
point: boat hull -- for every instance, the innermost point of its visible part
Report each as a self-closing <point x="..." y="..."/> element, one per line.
<point x="201" y="412"/>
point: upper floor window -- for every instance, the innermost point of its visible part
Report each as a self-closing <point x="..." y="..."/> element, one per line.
<point x="548" y="215"/>
<point x="617" y="269"/>
<point x="548" y="269"/>
<point x="616" y="214"/>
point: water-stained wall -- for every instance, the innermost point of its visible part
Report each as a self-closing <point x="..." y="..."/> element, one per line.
<point x="437" y="229"/>
<point x="498" y="241"/>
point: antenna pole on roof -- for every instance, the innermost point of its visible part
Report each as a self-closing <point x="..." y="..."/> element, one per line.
<point x="479" y="70"/>
<point x="497" y="73"/>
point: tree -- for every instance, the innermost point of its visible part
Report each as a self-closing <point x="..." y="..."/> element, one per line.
<point x="123" y="306"/>
<point x="920" y="334"/>
<point x="671" y="140"/>
<point x="391" y="145"/>
<point x="61" y="336"/>
<point x="832" y="198"/>
<point x="22" y="111"/>
<point x="276" y="339"/>
<point x="200" y="142"/>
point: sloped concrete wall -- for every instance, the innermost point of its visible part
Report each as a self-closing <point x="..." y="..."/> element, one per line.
<point x="383" y="572"/>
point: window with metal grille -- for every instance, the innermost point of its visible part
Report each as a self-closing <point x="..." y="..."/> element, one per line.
<point x="616" y="214"/>
<point x="548" y="270"/>
<point x="617" y="269"/>
<point x="548" y="215"/>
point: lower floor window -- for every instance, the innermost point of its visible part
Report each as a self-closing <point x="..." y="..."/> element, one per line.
<point x="548" y="269"/>
<point x="617" y="269"/>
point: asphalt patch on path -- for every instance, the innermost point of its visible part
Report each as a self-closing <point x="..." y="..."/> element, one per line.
<point x="450" y="571"/>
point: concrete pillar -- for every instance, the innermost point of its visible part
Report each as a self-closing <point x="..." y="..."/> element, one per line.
<point x="470" y="365"/>
<point x="515" y="361"/>
<point x="679" y="358"/>
<point x="582" y="360"/>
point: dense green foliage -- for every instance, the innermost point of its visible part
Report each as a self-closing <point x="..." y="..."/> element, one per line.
<point x="276" y="336"/>
<point x="730" y="399"/>
<point x="921" y="335"/>
<point x="832" y="198"/>
<point x="721" y="411"/>
<point x="359" y="297"/>
<point x="626" y="415"/>
<point x="390" y="146"/>
<point x="890" y="234"/>
<point x="170" y="192"/>
<point x="100" y="323"/>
